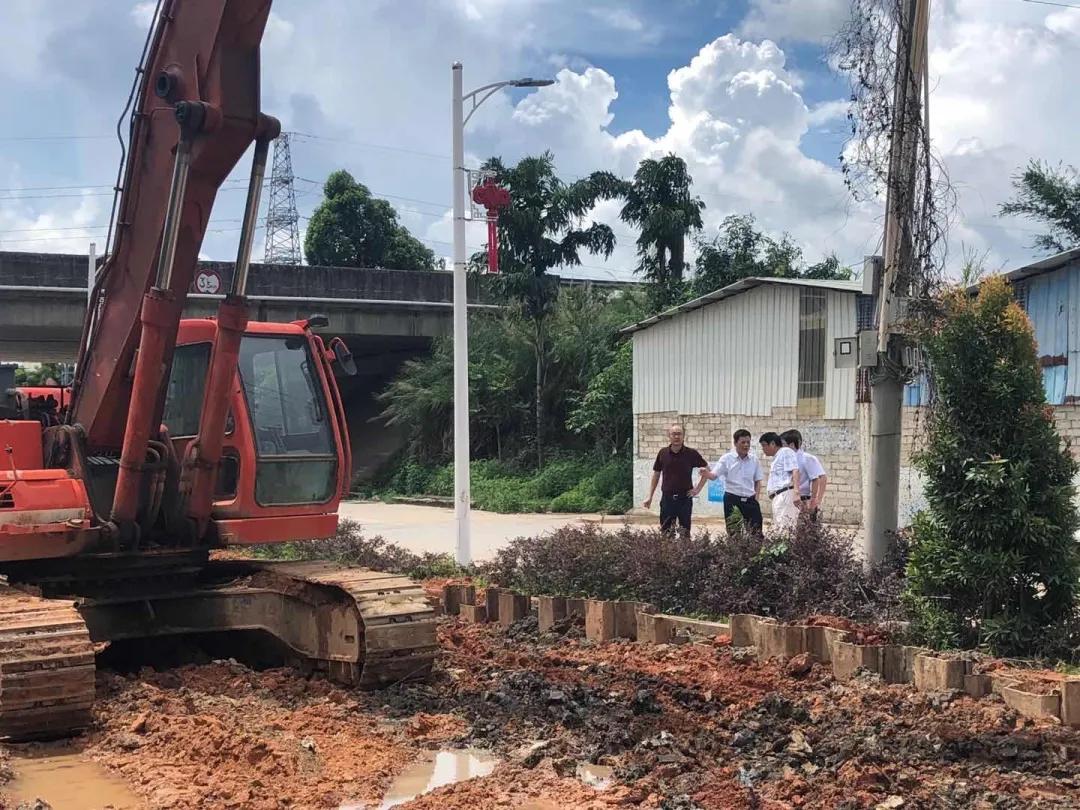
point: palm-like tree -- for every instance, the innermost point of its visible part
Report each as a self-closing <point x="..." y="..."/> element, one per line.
<point x="539" y="231"/>
<point x="658" y="202"/>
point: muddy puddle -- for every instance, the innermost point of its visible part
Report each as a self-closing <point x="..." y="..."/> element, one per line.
<point x="600" y="777"/>
<point x="67" y="782"/>
<point x="431" y="771"/>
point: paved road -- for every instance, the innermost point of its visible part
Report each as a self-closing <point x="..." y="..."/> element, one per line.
<point x="431" y="528"/>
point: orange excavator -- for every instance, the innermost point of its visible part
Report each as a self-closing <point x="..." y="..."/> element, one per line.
<point x="186" y="435"/>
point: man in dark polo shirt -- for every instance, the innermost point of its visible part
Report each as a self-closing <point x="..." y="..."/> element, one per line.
<point x="675" y="465"/>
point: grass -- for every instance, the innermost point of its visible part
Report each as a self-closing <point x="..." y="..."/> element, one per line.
<point x="570" y="485"/>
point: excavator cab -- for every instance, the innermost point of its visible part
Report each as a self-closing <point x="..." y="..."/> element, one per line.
<point x="285" y="458"/>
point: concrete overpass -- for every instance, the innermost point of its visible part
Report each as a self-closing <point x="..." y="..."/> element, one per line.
<point x="385" y="316"/>
<point x="44" y="302"/>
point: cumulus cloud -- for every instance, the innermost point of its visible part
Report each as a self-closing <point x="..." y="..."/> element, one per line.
<point x="618" y="18"/>
<point x="805" y="20"/>
<point x="737" y="117"/>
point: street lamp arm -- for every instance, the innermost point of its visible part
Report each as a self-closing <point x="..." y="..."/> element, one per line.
<point x="492" y="89"/>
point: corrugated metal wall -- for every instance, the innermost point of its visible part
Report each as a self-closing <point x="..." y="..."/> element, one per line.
<point x="738" y="356"/>
<point x="1051" y="301"/>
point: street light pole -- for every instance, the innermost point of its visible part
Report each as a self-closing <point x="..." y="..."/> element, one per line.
<point x="462" y="497"/>
<point x="463" y="550"/>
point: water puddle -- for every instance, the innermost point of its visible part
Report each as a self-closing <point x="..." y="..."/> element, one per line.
<point x="600" y="777"/>
<point x="431" y="771"/>
<point x="67" y="782"/>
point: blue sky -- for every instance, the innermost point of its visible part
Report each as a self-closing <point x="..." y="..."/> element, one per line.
<point x="740" y="89"/>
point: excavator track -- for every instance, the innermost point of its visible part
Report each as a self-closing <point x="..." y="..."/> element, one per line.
<point x="362" y="628"/>
<point x="397" y="624"/>
<point x="46" y="667"/>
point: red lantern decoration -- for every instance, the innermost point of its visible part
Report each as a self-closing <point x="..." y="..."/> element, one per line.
<point x="493" y="197"/>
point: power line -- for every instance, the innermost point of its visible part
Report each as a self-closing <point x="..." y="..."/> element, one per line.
<point x="10" y="138"/>
<point x="100" y="232"/>
<point x="1049" y="3"/>
<point x="233" y="181"/>
<point x="369" y="145"/>
<point x="43" y="228"/>
<point x="242" y="187"/>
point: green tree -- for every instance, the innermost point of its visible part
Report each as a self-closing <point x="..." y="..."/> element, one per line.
<point x="420" y="398"/>
<point x="828" y="268"/>
<point x="351" y="228"/>
<point x="1050" y="196"/>
<point x="605" y="410"/>
<point x="539" y="232"/>
<point x="583" y="339"/>
<point x="659" y="204"/>
<point x="740" y="251"/>
<point x="41" y="375"/>
<point x="993" y="561"/>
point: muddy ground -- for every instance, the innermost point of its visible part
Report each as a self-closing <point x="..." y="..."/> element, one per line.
<point x="689" y="726"/>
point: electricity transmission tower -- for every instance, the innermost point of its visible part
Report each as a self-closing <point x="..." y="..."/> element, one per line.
<point x="282" y="229"/>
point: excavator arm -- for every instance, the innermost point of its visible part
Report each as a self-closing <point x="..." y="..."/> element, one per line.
<point x="196" y="113"/>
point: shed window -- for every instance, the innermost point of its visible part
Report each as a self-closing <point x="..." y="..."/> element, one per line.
<point x="812" y="328"/>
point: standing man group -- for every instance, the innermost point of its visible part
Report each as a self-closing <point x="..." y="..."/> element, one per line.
<point x="795" y="486"/>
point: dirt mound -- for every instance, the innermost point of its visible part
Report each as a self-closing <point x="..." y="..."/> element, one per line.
<point x="680" y="727"/>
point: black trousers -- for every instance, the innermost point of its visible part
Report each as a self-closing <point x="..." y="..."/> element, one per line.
<point x="749" y="508"/>
<point x="676" y="508"/>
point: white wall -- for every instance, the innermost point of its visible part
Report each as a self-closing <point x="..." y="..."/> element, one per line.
<point x="739" y="356"/>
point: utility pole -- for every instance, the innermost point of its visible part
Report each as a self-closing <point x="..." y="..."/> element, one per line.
<point x="887" y="378"/>
<point x="462" y="489"/>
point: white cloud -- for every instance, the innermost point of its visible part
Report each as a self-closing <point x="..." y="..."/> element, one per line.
<point x="377" y="73"/>
<point x="736" y="117"/>
<point x="142" y="14"/>
<point x="804" y="20"/>
<point x="828" y="111"/>
<point x="1002" y="85"/>
<point x="618" y="18"/>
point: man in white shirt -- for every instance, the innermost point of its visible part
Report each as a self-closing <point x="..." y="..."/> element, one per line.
<point x="783" y="484"/>
<point x="812" y="478"/>
<point x="742" y="481"/>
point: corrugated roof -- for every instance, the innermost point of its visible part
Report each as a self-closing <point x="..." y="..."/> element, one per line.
<point x="1047" y="265"/>
<point x="740" y="286"/>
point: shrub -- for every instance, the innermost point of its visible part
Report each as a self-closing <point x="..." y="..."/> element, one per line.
<point x="561" y="476"/>
<point x="619" y="504"/>
<point x="809" y="570"/>
<point x="993" y="561"/>
<point x="576" y="501"/>
<point x="613" y="478"/>
<point x="574" y="485"/>
<point x="351" y="547"/>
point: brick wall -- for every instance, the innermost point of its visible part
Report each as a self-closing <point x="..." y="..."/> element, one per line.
<point x="835" y="442"/>
<point x="842" y="446"/>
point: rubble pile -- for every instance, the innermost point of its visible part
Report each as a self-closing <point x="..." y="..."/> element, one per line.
<point x="675" y="726"/>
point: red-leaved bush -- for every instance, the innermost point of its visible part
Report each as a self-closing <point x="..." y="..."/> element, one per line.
<point x="786" y="574"/>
